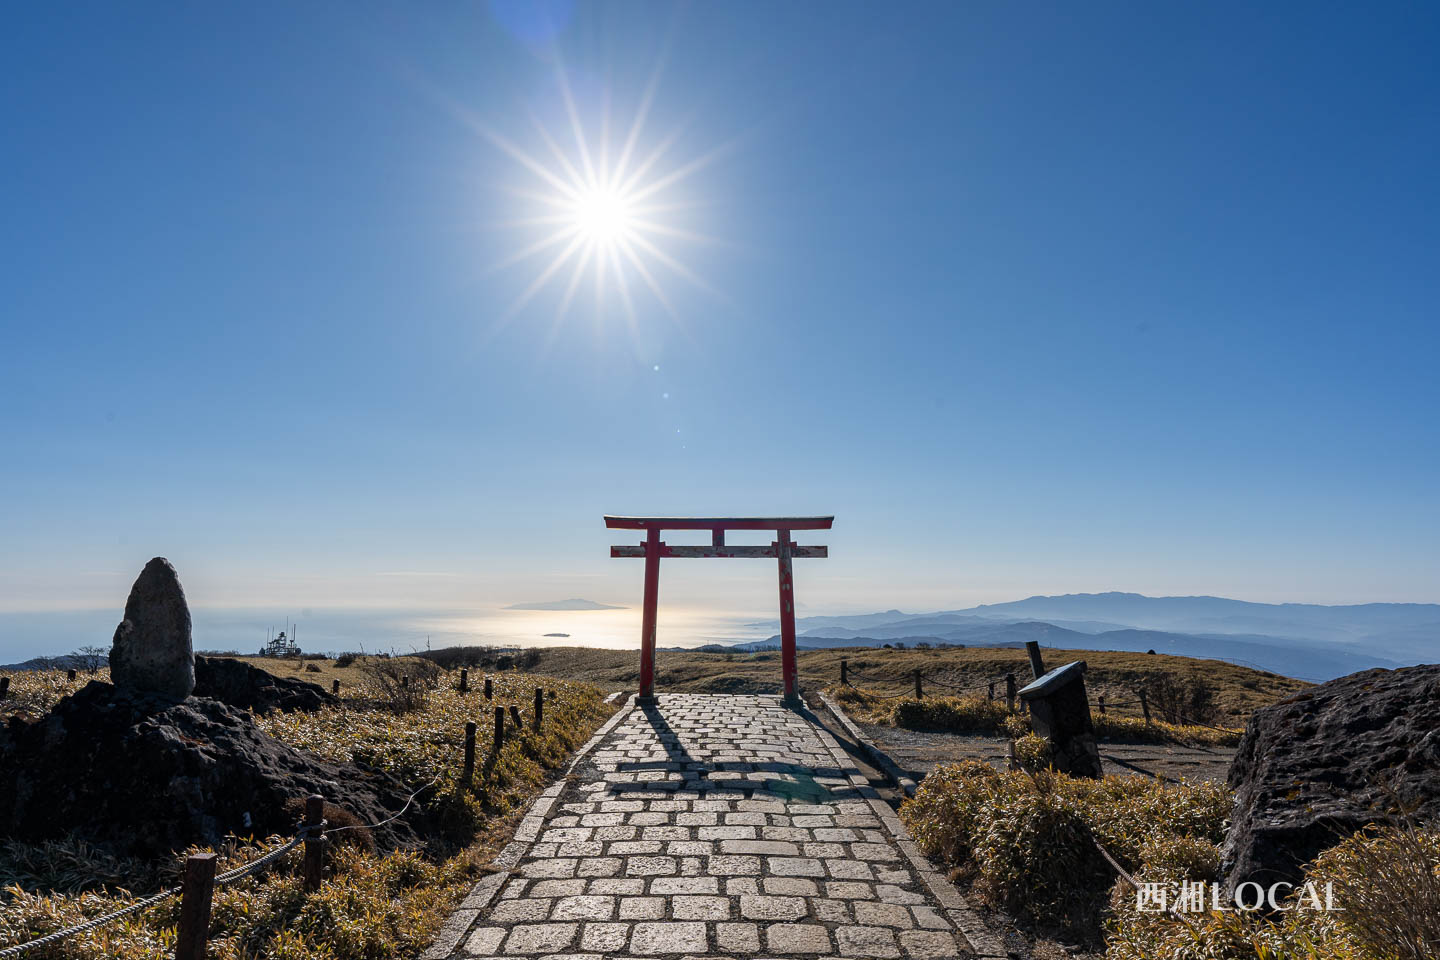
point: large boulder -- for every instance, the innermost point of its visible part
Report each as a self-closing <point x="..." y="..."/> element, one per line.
<point x="143" y="775"/>
<point x="240" y="685"/>
<point x="1312" y="769"/>
<point x="152" y="652"/>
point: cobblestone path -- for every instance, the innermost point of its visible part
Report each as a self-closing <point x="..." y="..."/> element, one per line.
<point x="710" y="826"/>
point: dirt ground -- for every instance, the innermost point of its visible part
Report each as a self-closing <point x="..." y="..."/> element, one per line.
<point x="918" y="752"/>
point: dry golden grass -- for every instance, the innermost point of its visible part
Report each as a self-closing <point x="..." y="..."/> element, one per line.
<point x="1238" y="690"/>
<point x="372" y="905"/>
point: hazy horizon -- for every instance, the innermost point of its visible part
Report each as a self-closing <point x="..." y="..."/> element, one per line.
<point x="25" y="634"/>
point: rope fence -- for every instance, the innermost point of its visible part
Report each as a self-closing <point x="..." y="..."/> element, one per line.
<point x="200" y="879"/>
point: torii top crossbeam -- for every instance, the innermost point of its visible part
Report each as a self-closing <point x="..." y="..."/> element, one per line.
<point x="783" y="549"/>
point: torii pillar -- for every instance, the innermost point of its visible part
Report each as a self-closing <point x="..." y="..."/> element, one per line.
<point x="783" y="549"/>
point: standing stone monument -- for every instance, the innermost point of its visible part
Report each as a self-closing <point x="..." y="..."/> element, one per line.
<point x="1060" y="712"/>
<point x="152" y="651"/>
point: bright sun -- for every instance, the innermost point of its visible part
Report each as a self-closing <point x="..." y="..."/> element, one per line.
<point x="603" y="215"/>
<point x="602" y="210"/>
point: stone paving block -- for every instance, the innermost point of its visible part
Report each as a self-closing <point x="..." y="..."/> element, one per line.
<point x="849" y="890"/>
<point x="700" y="908"/>
<point x="869" y="943"/>
<point x="604" y="937"/>
<point x="849" y="870"/>
<point x="581" y="848"/>
<point x="631" y="848"/>
<point x="521" y="911"/>
<point x="738" y="937"/>
<point x="726" y="833"/>
<point x="786" y="938"/>
<point x="875" y="914"/>
<point x="649" y="866"/>
<point x="485" y="940"/>
<point x="556" y="888"/>
<point x="617" y="886"/>
<point x="928" y="944"/>
<point x="831" y="911"/>
<point x="795" y="866"/>
<point x="540" y="937"/>
<point x="548" y="868"/>
<point x="586" y="907"/>
<point x="927" y="917"/>
<point x="891" y="893"/>
<point x="599" y="867"/>
<point x="772" y="908"/>
<point x="732" y="866"/>
<point x="790" y="887"/>
<point x="671" y="886"/>
<point x="668" y="937"/>
<point x="763" y="847"/>
<point x="642" y="908"/>
<point x="874" y="851"/>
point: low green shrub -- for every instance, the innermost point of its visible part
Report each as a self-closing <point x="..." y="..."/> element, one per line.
<point x="1028" y="840"/>
<point x="1033" y="753"/>
<point x="976" y="714"/>
<point x="955" y="714"/>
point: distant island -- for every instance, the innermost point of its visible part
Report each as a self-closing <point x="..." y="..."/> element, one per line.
<point x="574" y="604"/>
<point x="557" y="634"/>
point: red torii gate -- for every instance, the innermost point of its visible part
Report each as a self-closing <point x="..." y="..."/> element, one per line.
<point x="782" y="549"/>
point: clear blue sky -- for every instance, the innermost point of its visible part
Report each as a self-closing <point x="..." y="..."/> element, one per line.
<point x="1035" y="298"/>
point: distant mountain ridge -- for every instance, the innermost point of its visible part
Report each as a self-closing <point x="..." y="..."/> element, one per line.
<point x="1309" y="641"/>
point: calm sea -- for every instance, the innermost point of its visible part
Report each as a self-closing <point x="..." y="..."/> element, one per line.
<point x="26" y="635"/>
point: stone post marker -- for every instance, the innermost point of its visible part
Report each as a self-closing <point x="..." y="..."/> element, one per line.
<point x="1060" y="712"/>
<point x="152" y="651"/>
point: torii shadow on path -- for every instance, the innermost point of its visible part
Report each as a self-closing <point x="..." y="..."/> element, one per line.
<point x="804" y="787"/>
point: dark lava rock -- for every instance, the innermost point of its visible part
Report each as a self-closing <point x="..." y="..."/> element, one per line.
<point x="144" y="776"/>
<point x="240" y="685"/>
<point x="151" y="652"/>
<point x="1313" y="769"/>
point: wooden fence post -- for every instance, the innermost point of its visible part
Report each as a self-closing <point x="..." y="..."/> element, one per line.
<point x="515" y="715"/>
<point x="1145" y="706"/>
<point x="499" y="730"/>
<point x="992" y="689"/>
<point x="314" y="842"/>
<point x="464" y="680"/>
<point x="539" y="708"/>
<point x="335" y="687"/>
<point x="70" y="674"/>
<point x="467" y="776"/>
<point x="1037" y="666"/>
<point x="1102" y="704"/>
<point x="4" y="687"/>
<point x="844" y="672"/>
<point x="404" y="680"/>
<point x="1010" y="692"/>
<point x="196" y="890"/>
<point x="919" y="691"/>
<point x="488" y="692"/>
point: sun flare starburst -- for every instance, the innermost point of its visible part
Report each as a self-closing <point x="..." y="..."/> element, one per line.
<point x="606" y="220"/>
